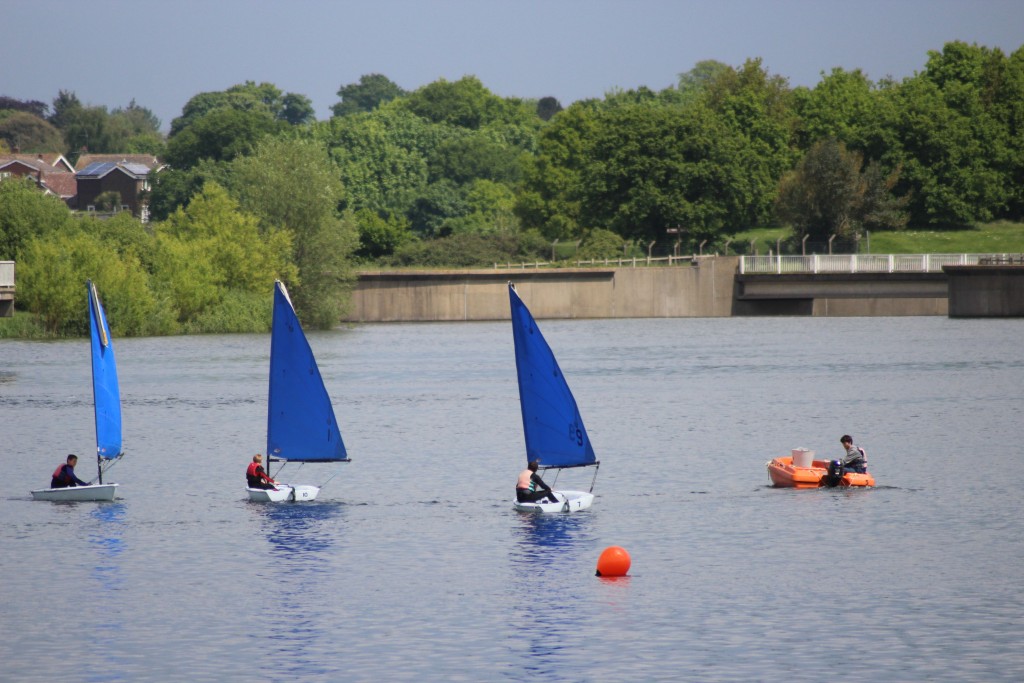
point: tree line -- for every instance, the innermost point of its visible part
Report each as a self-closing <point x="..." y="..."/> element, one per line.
<point x="451" y="174"/>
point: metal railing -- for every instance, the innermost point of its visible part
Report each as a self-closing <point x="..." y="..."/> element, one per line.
<point x="633" y="262"/>
<point x="6" y="273"/>
<point x="861" y="263"/>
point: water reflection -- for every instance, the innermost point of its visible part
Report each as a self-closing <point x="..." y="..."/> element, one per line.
<point x="300" y="536"/>
<point x="107" y="537"/>
<point x="539" y="530"/>
<point x="545" y="552"/>
<point x="297" y="532"/>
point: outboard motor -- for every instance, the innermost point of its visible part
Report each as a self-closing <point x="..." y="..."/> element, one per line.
<point x="835" y="473"/>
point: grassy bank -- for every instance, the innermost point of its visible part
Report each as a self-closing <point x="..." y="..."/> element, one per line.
<point x="22" y="326"/>
<point x="988" y="238"/>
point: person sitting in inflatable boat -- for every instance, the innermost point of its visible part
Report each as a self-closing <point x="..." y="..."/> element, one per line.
<point x="855" y="460"/>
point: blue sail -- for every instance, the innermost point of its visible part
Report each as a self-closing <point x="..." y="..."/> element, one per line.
<point x="552" y="425"/>
<point x="300" y="419"/>
<point x="106" y="393"/>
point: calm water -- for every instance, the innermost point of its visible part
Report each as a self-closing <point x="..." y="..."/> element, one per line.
<point x="413" y="566"/>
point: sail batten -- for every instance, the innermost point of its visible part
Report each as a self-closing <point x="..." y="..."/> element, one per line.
<point x="106" y="391"/>
<point x="552" y="425"/>
<point x="301" y="426"/>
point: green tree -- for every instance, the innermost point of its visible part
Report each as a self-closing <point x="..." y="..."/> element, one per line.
<point x="381" y="157"/>
<point x="692" y="84"/>
<point x="601" y="244"/>
<point x="490" y="210"/>
<point x="263" y="98"/>
<point x="755" y="108"/>
<point x="183" y="275"/>
<point x="296" y="109"/>
<point x="25" y="212"/>
<point x="87" y="129"/>
<point x="219" y="135"/>
<point x="436" y="206"/>
<point x="29" y="133"/>
<point x="551" y="197"/>
<point x="380" y="235"/>
<point x="1010" y="110"/>
<point x="465" y="103"/>
<point x="467" y="250"/>
<point x="463" y="158"/>
<point x="547" y="107"/>
<point x="843" y="105"/>
<point x="173" y="188"/>
<point x="138" y="129"/>
<point x="52" y="275"/>
<point x="370" y="92"/>
<point x="34" y="107"/>
<point x="212" y="267"/>
<point x="65" y="107"/>
<point x="242" y="257"/>
<point x="829" y="193"/>
<point x="292" y="185"/>
<point x="946" y="129"/>
<point x="651" y="167"/>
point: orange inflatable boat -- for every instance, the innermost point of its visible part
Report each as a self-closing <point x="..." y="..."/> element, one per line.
<point x="784" y="474"/>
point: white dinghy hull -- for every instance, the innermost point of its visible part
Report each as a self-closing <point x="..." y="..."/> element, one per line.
<point x="284" y="494"/>
<point x="78" y="493"/>
<point x="569" y="501"/>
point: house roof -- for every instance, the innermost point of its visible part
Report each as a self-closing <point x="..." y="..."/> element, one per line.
<point x="53" y="180"/>
<point x="147" y="160"/>
<point x="62" y="184"/>
<point x="98" y="169"/>
<point x="10" y="164"/>
<point x="53" y="160"/>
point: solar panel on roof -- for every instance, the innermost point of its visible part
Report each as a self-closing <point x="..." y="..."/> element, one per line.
<point x="98" y="168"/>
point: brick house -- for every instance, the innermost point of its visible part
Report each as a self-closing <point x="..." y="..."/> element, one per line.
<point x="52" y="173"/>
<point x="128" y="179"/>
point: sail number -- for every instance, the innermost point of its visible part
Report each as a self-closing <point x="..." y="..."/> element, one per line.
<point x="575" y="435"/>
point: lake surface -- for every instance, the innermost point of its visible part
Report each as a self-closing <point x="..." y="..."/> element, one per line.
<point x="412" y="565"/>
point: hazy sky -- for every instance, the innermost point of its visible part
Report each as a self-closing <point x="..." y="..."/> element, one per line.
<point x="162" y="52"/>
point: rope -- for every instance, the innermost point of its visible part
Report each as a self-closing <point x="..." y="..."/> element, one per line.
<point x="329" y="478"/>
<point x="107" y="468"/>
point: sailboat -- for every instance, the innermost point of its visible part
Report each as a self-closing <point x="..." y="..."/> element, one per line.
<point x="552" y="426"/>
<point x="301" y="426"/>
<point x="106" y="401"/>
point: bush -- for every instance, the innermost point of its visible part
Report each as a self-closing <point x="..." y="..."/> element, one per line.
<point x="237" y="311"/>
<point x="468" y="250"/>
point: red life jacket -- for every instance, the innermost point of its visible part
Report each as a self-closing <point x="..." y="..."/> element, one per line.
<point x="251" y="472"/>
<point x="59" y="472"/>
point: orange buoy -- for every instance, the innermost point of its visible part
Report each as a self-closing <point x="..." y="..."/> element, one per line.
<point x="614" y="561"/>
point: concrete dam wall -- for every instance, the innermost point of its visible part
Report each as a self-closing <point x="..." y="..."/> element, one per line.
<point x="704" y="290"/>
<point x="711" y="287"/>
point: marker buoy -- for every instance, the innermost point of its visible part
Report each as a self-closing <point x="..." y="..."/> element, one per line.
<point x="614" y="561"/>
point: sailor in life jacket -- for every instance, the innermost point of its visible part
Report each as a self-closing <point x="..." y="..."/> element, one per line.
<point x="855" y="460"/>
<point x="64" y="475"/>
<point x="256" y="477"/>
<point x="530" y="488"/>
